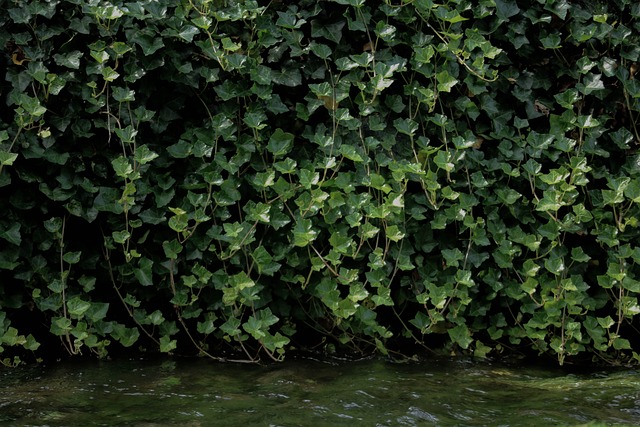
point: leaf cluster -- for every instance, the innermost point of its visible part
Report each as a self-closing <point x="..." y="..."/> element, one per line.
<point x="240" y="178"/>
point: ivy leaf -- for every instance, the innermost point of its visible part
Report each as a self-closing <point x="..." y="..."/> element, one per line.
<point x="555" y="265"/>
<point x="264" y="261"/>
<point x="122" y="167"/>
<point x="461" y="335"/>
<point x="394" y="234"/>
<point x="354" y="3"/>
<point x="446" y="81"/>
<point x="109" y="74"/>
<point x="69" y="59"/>
<point x="303" y="233"/>
<point x="187" y="32"/>
<point x="77" y="307"/>
<point x="241" y="281"/>
<point x="322" y="50"/>
<point x="505" y="9"/>
<point x="144" y="272"/>
<point x="60" y="325"/>
<point x="275" y="342"/>
<point x="280" y="143"/>
<point x="148" y="43"/>
<point x="231" y="327"/>
<point x="167" y="345"/>
<point x="443" y="160"/>
<point x="72" y="257"/>
<point x="568" y="98"/>
<point x="12" y="234"/>
<point x="578" y="255"/>
<point x="254" y="327"/>
<point x="591" y="83"/>
<point x="7" y="159"/>
<point x="552" y="41"/>
<point x="120" y="237"/>
<point x="122" y="94"/>
<point x="97" y="311"/>
<point x="144" y="155"/>
<point x="172" y="248"/>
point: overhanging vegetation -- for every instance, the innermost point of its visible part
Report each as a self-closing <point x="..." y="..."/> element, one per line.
<point x="249" y="176"/>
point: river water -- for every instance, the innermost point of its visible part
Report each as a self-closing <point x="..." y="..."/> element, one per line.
<point x="313" y="393"/>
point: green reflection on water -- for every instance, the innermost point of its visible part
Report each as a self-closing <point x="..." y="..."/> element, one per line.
<point x="310" y="393"/>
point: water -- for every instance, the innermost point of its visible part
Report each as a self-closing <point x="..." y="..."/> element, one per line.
<point x="312" y="393"/>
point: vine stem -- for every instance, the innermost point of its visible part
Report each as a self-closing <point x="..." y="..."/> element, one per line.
<point x="69" y="346"/>
<point x="178" y="310"/>
<point x="121" y="298"/>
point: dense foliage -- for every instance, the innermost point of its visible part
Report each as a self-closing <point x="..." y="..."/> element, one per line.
<point x="248" y="177"/>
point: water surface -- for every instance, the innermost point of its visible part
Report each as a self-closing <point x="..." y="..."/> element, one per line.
<point x="312" y="393"/>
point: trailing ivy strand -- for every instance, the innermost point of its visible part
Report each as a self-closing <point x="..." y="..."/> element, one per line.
<point x="238" y="179"/>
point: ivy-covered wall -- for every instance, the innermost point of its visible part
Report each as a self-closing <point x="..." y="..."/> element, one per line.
<point x="242" y="178"/>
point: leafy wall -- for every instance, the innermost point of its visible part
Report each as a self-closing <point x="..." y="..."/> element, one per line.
<point x="243" y="178"/>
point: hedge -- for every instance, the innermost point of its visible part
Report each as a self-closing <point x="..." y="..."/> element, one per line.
<point x="239" y="179"/>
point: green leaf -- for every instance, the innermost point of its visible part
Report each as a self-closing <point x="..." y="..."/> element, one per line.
<point x="280" y="143"/>
<point x="156" y="318"/>
<point x="77" y="307"/>
<point x="97" y="311"/>
<point x="7" y="159"/>
<point x="231" y="327"/>
<point x="322" y="50"/>
<point x="346" y="64"/>
<point x="167" y="345"/>
<point x="578" y="255"/>
<point x="394" y="234"/>
<point x="591" y="83"/>
<point x="406" y="126"/>
<point x="443" y="160"/>
<point x="568" y="98"/>
<point x="120" y="237"/>
<point x="351" y="153"/>
<point x="308" y="178"/>
<point x="254" y="327"/>
<point x="72" y="257"/>
<point x="354" y="3"/>
<point x="179" y="223"/>
<point x="275" y="342"/>
<point x="446" y="81"/>
<point x="144" y="155"/>
<point x="122" y="167"/>
<point x="150" y="44"/>
<point x="255" y="119"/>
<point x="552" y="41"/>
<point x="109" y="74"/>
<point x="289" y="20"/>
<point x="461" y="335"/>
<point x="202" y="21"/>
<point x="264" y="261"/>
<point x="187" y="32"/>
<point x="286" y="166"/>
<point x="555" y="265"/>
<point x="12" y="234"/>
<point x="303" y="233"/>
<point x="621" y="344"/>
<point x="144" y="272"/>
<point x="12" y="338"/>
<point x="172" y="248"/>
<point x="505" y="9"/>
<point x="31" y="344"/>
<point x="121" y="94"/>
<point x="241" y="281"/>
<point x="60" y="325"/>
<point x="206" y="327"/>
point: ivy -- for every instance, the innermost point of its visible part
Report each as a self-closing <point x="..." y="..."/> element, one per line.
<point x="238" y="179"/>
